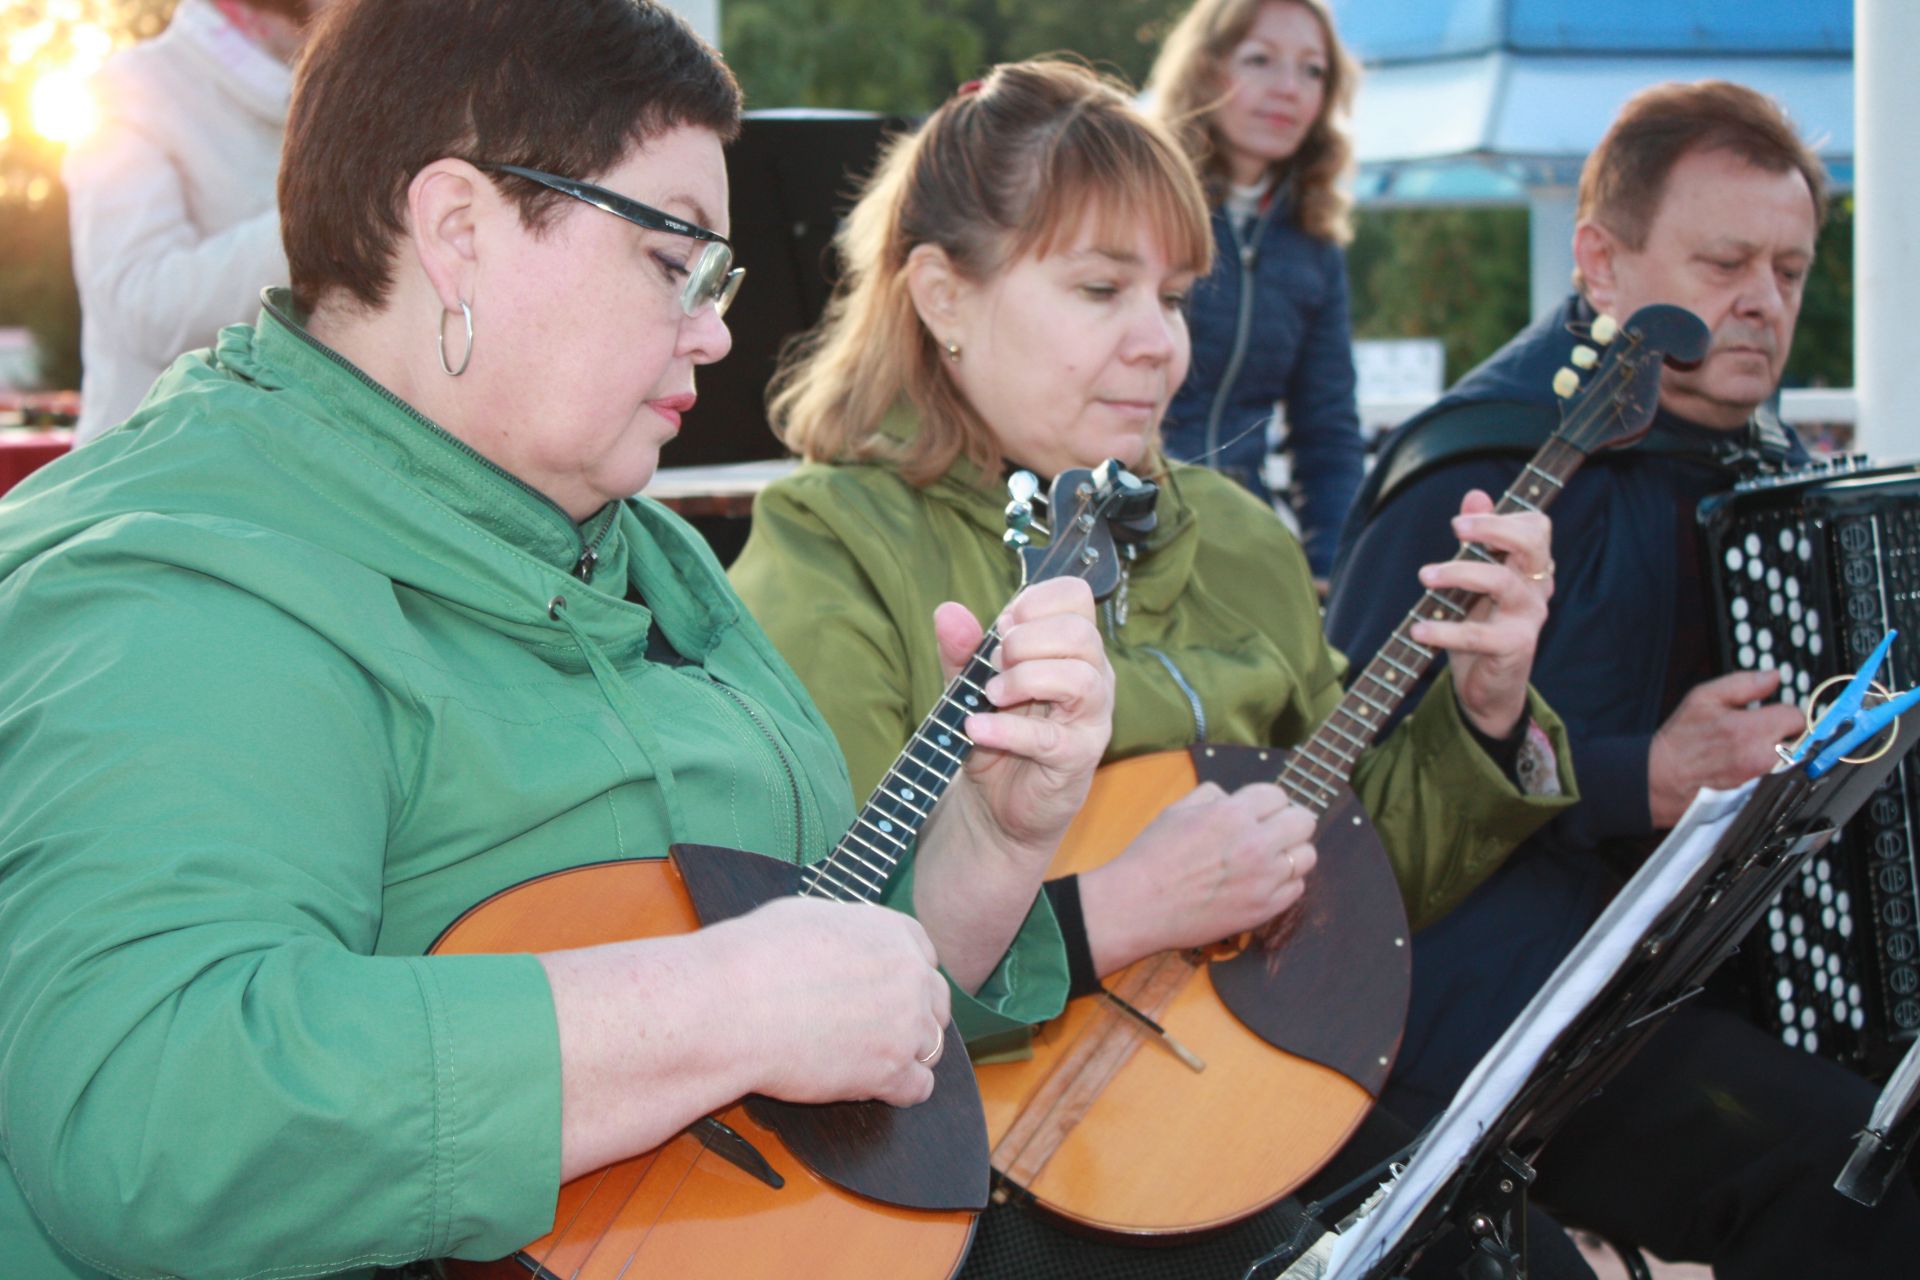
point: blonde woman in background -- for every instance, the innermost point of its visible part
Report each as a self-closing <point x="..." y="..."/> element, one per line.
<point x="1258" y="92"/>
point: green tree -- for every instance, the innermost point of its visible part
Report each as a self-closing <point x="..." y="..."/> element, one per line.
<point x="36" y="283"/>
<point x="1116" y="35"/>
<point x="1459" y="274"/>
<point x="867" y="55"/>
<point x="905" y="59"/>
<point x="1823" y="346"/>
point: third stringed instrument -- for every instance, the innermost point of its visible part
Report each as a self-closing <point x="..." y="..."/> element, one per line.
<point x="1184" y="1105"/>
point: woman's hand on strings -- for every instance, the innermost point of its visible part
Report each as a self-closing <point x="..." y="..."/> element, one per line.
<point x="982" y="855"/>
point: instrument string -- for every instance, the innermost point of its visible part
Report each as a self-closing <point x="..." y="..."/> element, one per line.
<point x="560" y="1236"/>
<point x="706" y="1143"/>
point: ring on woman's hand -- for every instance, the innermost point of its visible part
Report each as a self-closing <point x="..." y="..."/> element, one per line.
<point x="939" y="1041"/>
<point x="1543" y="575"/>
<point x="1293" y="868"/>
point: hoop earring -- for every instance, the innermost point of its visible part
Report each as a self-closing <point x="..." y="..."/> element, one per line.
<point x="953" y="350"/>
<point x="466" y="313"/>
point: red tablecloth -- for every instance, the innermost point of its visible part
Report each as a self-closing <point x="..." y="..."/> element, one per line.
<point x="24" y="452"/>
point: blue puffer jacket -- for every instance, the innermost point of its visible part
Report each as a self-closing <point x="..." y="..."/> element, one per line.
<point x="1269" y="325"/>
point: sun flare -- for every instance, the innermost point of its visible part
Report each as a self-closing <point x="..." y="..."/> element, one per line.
<point x="62" y="107"/>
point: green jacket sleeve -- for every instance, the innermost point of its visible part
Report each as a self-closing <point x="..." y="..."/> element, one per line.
<point x="1446" y="814"/>
<point x="827" y="611"/>
<point x="207" y="1072"/>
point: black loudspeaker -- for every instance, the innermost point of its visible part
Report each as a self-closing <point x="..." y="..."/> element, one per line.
<point x="792" y="176"/>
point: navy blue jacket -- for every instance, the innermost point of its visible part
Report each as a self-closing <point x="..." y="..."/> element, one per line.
<point x="1270" y="324"/>
<point x="1602" y="664"/>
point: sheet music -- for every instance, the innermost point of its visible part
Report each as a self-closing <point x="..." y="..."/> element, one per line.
<point x="1505" y="1069"/>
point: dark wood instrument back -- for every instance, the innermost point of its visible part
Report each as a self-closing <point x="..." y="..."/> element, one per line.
<point x="1334" y="987"/>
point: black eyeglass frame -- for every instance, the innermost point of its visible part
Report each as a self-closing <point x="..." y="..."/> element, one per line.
<point x="713" y="278"/>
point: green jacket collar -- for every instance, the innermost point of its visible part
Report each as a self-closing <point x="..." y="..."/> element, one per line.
<point x="278" y="353"/>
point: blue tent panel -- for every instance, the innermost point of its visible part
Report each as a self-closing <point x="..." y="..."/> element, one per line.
<point x="1554" y="108"/>
<point x="1382" y="31"/>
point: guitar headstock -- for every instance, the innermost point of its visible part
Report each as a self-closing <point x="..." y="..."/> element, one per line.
<point x="1094" y="513"/>
<point x="1616" y="405"/>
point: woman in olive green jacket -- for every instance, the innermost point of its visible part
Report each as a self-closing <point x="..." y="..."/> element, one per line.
<point x="987" y="319"/>
<point x="1014" y="279"/>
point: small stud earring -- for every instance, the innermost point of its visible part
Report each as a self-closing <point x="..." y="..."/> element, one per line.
<point x="953" y="350"/>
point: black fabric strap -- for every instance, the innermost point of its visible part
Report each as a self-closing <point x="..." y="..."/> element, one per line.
<point x="1520" y="429"/>
<point x="1064" y="894"/>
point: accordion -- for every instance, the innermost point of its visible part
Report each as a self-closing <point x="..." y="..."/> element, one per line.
<point x="1809" y="570"/>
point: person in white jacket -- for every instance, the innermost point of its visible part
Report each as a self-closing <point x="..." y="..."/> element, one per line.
<point x="174" y="220"/>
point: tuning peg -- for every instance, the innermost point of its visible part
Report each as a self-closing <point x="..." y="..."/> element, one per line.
<point x="1019" y="514"/>
<point x="1604" y="329"/>
<point x="1016" y="538"/>
<point x="1022" y="485"/>
<point x="1565" y="383"/>
<point x="1585" y="357"/>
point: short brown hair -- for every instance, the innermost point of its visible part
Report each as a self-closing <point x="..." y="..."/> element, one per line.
<point x="1625" y="179"/>
<point x="1008" y="166"/>
<point x="1189" y="83"/>
<point x="386" y="87"/>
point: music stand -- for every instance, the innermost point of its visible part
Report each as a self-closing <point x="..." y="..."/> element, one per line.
<point x="1680" y="916"/>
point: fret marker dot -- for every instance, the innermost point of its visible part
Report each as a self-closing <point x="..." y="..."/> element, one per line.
<point x="945" y="741"/>
<point x="886" y="827"/>
<point x="906" y="793"/>
<point x="971" y="701"/>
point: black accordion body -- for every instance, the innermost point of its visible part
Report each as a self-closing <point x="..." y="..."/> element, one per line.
<point x="1809" y="571"/>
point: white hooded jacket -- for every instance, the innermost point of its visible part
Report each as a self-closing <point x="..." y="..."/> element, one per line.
<point x="175" y="223"/>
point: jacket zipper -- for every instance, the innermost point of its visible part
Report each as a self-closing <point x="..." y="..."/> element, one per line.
<point x="1193" y="697"/>
<point x="589" y="549"/>
<point x="793" y="781"/>
<point x="1243" y="326"/>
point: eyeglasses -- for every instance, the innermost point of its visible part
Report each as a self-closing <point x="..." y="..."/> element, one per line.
<point x="713" y="278"/>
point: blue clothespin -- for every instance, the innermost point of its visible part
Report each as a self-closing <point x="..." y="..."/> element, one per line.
<point x="1845" y="726"/>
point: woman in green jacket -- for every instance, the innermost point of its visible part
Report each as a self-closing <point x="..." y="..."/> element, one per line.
<point x="353" y="625"/>
<point x="1014" y="279"/>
